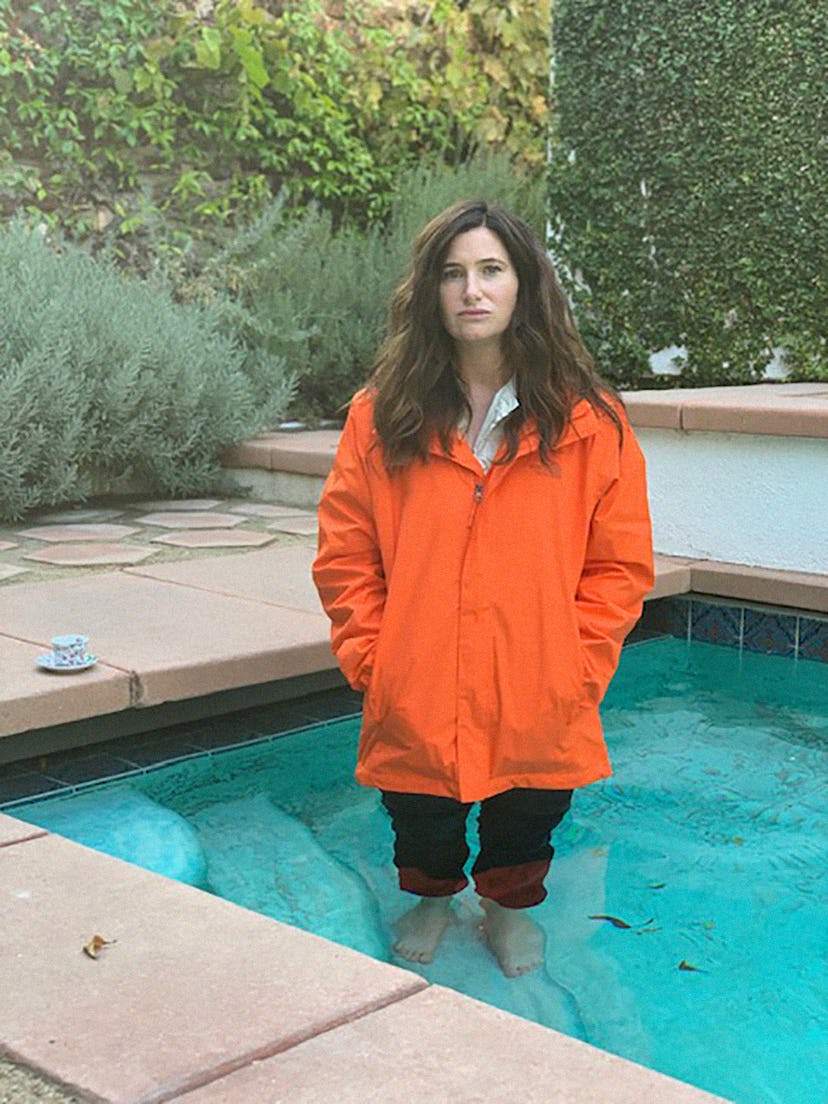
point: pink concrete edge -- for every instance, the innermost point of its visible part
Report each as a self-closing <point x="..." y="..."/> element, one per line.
<point x="787" y="410"/>
<point x="765" y="585"/>
<point x="14" y="831"/>
<point x="803" y="421"/>
<point x="246" y="1063"/>
<point x="374" y="984"/>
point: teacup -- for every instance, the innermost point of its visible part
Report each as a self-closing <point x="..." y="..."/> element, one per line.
<point x="70" y="650"/>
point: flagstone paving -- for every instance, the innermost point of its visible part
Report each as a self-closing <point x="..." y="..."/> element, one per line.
<point x="82" y="532"/>
<point x="38" y="546"/>
<point x="214" y="538"/>
<point x="89" y="554"/>
<point x="182" y="519"/>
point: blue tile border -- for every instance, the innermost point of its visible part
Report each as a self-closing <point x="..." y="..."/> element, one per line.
<point x="61" y="772"/>
<point x="812" y="639"/>
<point x="763" y="629"/>
<point x="770" y="633"/>
<point x="715" y="624"/>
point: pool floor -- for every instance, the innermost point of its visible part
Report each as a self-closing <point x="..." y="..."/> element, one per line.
<point x="706" y="849"/>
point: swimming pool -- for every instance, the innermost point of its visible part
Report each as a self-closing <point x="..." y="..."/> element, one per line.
<point x="708" y="843"/>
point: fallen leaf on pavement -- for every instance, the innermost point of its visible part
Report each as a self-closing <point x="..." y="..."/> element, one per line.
<point x="93" y="947"/>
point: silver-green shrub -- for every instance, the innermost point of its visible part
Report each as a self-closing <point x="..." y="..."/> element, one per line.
<point x="103" y="378"/>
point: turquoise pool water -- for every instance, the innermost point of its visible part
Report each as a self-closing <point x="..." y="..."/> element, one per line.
<point x="709" y="842"/>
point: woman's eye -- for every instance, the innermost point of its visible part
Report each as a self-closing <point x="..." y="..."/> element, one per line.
<point x="452" y="274"/>
<point x="493" y="269"/>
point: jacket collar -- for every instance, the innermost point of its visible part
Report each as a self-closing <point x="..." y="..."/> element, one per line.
<point x="583" y="423"/>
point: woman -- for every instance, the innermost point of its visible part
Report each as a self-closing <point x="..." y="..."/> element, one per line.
<point x="484" y="548"/>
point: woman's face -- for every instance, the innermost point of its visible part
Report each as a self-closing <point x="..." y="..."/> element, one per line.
<point x="478" y="288"/>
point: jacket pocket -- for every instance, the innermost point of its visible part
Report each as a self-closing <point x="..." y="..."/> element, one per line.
<point x="372" y="702"/>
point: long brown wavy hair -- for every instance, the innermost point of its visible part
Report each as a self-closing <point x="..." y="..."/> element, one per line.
<point x="418" y="391"/>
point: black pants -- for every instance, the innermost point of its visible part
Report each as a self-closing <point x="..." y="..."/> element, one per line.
<point x="515" y="829"/>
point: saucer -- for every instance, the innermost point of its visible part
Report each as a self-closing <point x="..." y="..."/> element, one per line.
<point x="47" y="663"/>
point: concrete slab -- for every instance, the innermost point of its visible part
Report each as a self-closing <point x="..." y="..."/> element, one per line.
<point x="797" y="589"/>
<point x="17" y="831"/>
<point x="287" y="488"/>
<point x="762" y="413"/>
<point x="31" y="698"/>
<point x="672" y="576"/>
<point x="453" y="1049"/>
<point x="59" y="534"/>
<point x="90" y="555"/>
<point x="176" y="641"/>
<point x="310" y="452"/>
<point x="193" y="519"/>
<point x="279" y="576"/>
<point x="192" y="988"/>
<point x="654" y="409"/>
<point x="214" y="538"/>
<point x="786" y="410"/>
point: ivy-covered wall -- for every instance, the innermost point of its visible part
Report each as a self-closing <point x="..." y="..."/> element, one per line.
<point x="115" y="112"/>
<point x="688" y="184"/>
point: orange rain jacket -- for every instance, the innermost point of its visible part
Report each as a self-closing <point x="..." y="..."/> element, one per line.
<point x="483" y="615"/>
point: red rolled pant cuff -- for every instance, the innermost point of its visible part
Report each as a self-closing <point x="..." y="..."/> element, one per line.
<point x="417" y="881"/>
<point x="514" y="887"/>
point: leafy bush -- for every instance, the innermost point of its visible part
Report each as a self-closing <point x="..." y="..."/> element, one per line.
<point x="205" y="109"/>
<point x="318" y="295"/>
<point x="687" y="183"/>
<point x="104" y="377"/>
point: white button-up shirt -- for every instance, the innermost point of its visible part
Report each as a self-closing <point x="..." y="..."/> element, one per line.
<point x="491" y="432"/>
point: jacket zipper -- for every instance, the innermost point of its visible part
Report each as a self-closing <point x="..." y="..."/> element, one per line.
<point x="477" y="498"/>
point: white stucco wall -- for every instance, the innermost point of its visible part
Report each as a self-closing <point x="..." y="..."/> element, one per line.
<point x="739" y="498"/>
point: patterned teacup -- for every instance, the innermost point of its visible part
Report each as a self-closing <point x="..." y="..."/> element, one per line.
<point x="70" y="650"/>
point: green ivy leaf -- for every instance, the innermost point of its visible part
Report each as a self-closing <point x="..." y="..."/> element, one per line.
<point x="208" y="50"/>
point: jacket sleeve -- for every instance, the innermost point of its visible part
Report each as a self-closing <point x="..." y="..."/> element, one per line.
<point x="348" y="570"/>
<point x="618" y="568"/>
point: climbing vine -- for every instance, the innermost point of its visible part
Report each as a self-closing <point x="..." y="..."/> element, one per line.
<point x="687" y="183"/>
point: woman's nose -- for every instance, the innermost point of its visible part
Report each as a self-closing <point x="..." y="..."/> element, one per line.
<point x="472" y="288"/>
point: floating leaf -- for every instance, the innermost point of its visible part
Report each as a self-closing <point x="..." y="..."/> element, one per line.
<point x="616" y="923"/>
<point x="642" y="930"/>
<point x="686" y="966"/>
<point x="737" y="840"/>
<point x="95" y="944"/>
<point x="656" y="885"/>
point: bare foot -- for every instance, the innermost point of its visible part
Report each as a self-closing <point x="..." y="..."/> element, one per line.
<point x="515" y="940"/>
<point x="420" y="930"/>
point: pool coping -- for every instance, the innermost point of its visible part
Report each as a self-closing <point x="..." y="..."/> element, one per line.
<point x="761" y="409"/>
<point x="254" y="1003"/>
<point x="154" y="631"/>
<point x="55" y="895"/>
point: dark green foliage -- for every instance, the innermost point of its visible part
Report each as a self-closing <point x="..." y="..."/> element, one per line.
<point x="688" y="186"/>
<point x="318" y="296"/>
<point x="103" y="377"/>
